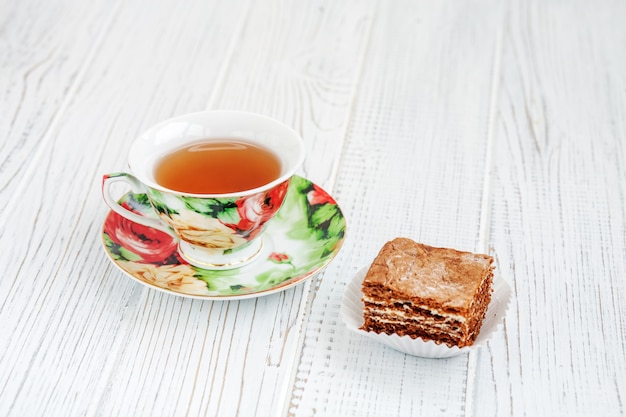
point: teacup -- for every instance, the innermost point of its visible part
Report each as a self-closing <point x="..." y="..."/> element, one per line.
<point x="214" y="230"/>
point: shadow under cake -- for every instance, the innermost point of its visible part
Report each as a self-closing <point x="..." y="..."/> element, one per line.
<point x="437" y="294"/>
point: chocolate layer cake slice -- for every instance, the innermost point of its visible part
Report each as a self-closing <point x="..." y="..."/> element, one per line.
<point x="417" y="290"/>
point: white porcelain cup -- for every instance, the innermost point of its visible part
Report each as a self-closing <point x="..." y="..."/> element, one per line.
<point x="214" y="231"/>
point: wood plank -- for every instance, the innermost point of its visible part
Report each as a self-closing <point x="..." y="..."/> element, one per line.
<point x="67" y="313"/>
<point x="303" y="73"/>
<point x="413" y="166"/>
<point x="235" y="358"/>
<point x="559" y="213"/>
<point x="217" y="344"/>
<point x="41" y="63"/>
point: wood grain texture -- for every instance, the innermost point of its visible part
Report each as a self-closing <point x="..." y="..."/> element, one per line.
<point x="304" y="71"/>
<point x="290" y="73"/>
<point x="488" y="126"/>
<point x="413" y="166"/>
<point x="161" y="355"/>
<point x="41" y="63"/>
<point x="67" y="313"/>
<point x="241" y="354"/>
<point x="558" y="213"/>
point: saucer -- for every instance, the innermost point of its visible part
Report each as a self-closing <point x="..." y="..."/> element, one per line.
<point x="306" y="234"/>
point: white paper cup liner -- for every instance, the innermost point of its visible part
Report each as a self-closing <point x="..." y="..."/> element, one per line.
<point x="352" y="314"/>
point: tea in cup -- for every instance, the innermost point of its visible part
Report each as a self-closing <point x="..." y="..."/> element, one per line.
<point x="214" y="179"/>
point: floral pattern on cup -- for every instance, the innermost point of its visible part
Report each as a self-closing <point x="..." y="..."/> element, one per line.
<point x="218" y="223"/>
<point x="135" y="242"/>
<point x="307" y="233"/>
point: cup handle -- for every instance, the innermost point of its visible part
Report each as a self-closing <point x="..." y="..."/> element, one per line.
<point x="137" y="188"/>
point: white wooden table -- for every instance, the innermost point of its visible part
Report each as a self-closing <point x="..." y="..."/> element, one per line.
<point x="490" y="126"/>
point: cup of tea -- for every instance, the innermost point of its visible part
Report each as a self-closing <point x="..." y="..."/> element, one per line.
<point x="214" y="179"/>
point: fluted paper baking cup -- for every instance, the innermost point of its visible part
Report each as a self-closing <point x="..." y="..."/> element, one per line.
<point x="352" y="313"/>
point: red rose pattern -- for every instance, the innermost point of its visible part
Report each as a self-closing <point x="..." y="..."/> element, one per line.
<point x="152" y="245"/>
<point x="318" y="196"/>
<point x="256" y="210"/>
<point x="279" y="258"/>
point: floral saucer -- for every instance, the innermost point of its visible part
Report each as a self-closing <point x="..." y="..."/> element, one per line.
<point x="306" y="234"/>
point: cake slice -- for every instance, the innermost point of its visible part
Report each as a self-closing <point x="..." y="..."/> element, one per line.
<point x="436" y="294"/>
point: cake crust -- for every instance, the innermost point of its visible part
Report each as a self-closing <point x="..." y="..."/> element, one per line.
<point x="443" y="276"/>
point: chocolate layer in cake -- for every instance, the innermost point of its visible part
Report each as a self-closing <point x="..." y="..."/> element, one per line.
<point x="434" y="293"/>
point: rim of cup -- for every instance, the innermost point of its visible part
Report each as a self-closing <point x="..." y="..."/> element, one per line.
<point x="176" y="132"/>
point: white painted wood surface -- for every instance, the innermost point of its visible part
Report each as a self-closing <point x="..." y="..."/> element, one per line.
<point x="491" y="126"/>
